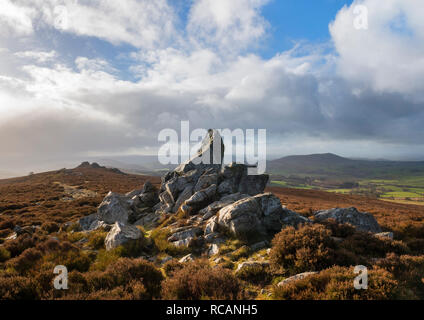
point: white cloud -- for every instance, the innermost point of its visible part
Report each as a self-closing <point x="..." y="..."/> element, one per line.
<point x="388" y="56"/>
<point x="39" y="56"/>
<point x="81" y="105"/>
<point x="141" y="23"/>
<point x="15" y="19"/>
<point x="229" y="25"/>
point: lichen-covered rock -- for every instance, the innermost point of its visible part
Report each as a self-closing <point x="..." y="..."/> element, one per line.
<point x="243" y="217"/>
<point x="184" y="195"/>
<point x="133" y="193"/>
<point x="363" y="221"/>
<point x="166" y="201"/>
<point x="181" y="235"/>
<point x="261" y="215"/>
<point x="205" y="181"/>
<point x="87" y="221"/>
<point x="149" y="219"/>
<point x="211" y="226"/>
<point x="214" y="207"/>
<point x="120" y="234"/>
<point x="200" y="199"/>
<point x="96" y="225"/>
<point x="236" y="179"/>
<point x="183" y="243"/>
<point x="114" y="208"/>
<point x="253" y="184"/>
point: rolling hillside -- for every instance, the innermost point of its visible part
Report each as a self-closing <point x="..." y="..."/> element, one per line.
<point x="331" y="166"/>
<point x="400" y="181"/>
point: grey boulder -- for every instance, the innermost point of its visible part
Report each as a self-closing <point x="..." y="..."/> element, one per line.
<point x="363" y="221"/>
<point x="121" y="234"/>
<point x="114" y="208"/>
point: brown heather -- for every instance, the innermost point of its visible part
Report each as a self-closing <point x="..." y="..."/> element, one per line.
<point x="40" y="203"/>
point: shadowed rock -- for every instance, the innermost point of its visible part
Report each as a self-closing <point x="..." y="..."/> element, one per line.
<point x="363" y="221"/>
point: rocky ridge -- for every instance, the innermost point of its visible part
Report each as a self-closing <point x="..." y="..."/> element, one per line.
<point x="211" y="203"/>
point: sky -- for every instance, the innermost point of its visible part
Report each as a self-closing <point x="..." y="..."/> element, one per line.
<point x="96" y="78"/>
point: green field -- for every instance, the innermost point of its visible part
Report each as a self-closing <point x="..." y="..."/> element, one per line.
<point x="409" y="190"/>
<point x="401" y="181"/>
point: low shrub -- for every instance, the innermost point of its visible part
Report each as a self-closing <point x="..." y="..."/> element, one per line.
<point x="255" y="274"/>
<point x="160" y="239"/>
<point x="8" y="224"/>
<point x="104" y="258"/>
<point x="172" y="266"/>
<point x="4" y="254"/>
<point x="309" y="248"/>
<point x="365" y="244"/>
<point x="230" y="245"/>
<point x="96" y="240"/>
<point x="126" y="273"/>
<point x="409" y="271"/>
<point x="21" y="243"/>
<point x="25" y="261"/>
<point x="337" y="283"/>
<point x="50" y="227"/>
<point x="242" y="252"/>
<point x="197" y="280"/>
<point x="17" y="288"/>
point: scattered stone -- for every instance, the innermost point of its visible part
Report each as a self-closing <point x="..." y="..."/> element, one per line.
<point x="189" y="233"/>
<point x="251" y="264"/>
<point x="388" y="235"/>
<point x="87" y="221"/>
<point x="219" y="260"/>
<point x="13" y="236"/>
<point x="186" y="258"/>
<point x="18" y="230"/>
<point x="183" y="243"/>
<point x="98" y="225"/>
<point x="120" y="234"/>
<point x="213" y="249"/>
<point x="363" y="221"/>
<point x="166" y="259"/>
<point x="296" y="277"/>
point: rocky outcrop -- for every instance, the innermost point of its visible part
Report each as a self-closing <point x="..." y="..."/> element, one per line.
<point x="211" y="198"/>
<point x="363" y="221"/>
<point x="121" y="234"/>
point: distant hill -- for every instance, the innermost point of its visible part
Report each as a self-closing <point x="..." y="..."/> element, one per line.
<point x="332" y="166"/>
<point x="146" y="165"/>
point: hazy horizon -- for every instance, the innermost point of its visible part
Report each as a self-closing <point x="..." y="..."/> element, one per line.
<point x="141" y="161"/>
